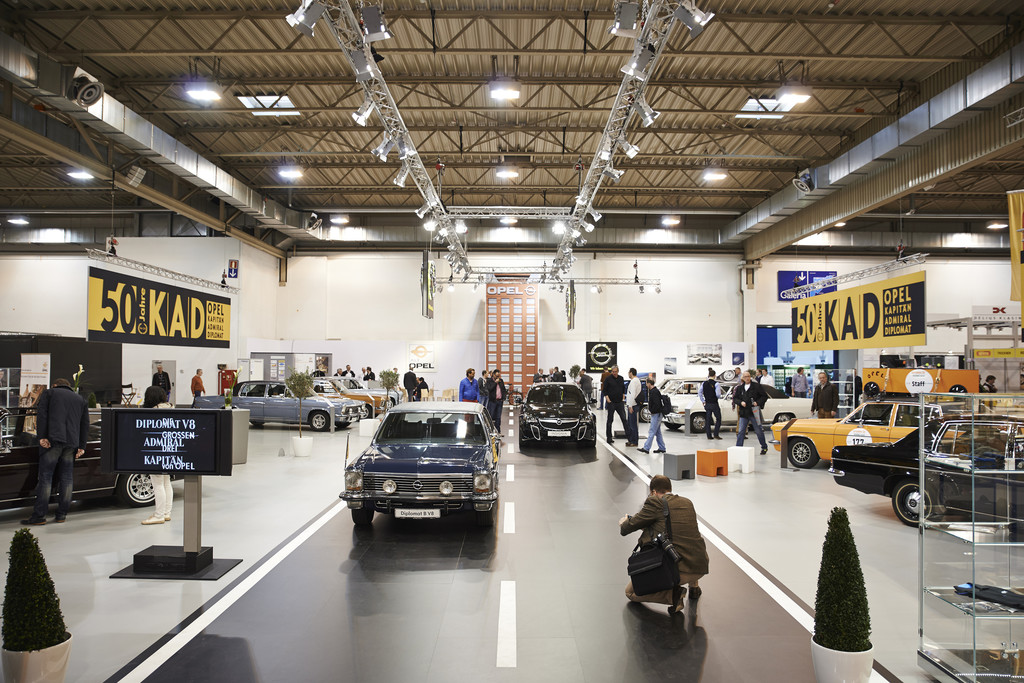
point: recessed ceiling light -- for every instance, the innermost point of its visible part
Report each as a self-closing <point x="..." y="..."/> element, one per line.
<point x="509" y="220"/>
<point x="669" y="221"/>
<point x="290" y="172"/>
<point x="339" y="220"/>
<point x="840" y="224"/>
<point x="18" y="220"/>
<point x="81" y="175"/>
<point x="507" y="172"/>
<point x="997" y="225"/>
<point x="715" y="174"/>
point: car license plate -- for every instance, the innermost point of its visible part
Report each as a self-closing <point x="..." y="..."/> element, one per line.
<point x="416" y="513"/>
<point x="559" y="432"/>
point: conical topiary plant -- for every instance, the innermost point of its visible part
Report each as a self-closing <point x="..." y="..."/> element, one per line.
<point x="841" y="620"/>
<point x="32" y="617"/>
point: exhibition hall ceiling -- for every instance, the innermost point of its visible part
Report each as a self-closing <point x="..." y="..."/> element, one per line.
<point x="866" y="62"/>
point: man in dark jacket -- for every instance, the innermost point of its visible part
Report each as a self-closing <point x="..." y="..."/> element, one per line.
<point x="162" y="379"/>
<point x="587" y="385"/>
<point x="496" y="395"/>
<point x="749" y="397"/>
<point x="614" y="395"/>
<point x="409" y="382"/>
<point x="693" y="560"/>
<point x="826" y="398"/>
<point x="62" y="424"/>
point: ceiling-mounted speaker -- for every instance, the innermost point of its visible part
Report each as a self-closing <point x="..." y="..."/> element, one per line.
<point x="804" y="181"/>
<point x="85" y="92"/>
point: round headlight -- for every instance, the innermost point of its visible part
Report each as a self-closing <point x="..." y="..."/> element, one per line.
<point x="446" y="488"/>
<point x="389" y="486"/>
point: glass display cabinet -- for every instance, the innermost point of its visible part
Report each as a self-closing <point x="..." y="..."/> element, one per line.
<point x="971" y="538"/>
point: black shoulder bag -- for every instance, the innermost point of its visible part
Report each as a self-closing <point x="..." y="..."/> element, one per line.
<point x="653" y="566"/>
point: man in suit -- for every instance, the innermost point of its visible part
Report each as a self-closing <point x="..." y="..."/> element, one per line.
<point x="749" y="397"/>
<point x="162" y="379"/>
<point x="826" y="398"/>
<point x="693" y="560"/>
<point x="614" y="395"/>
<point x="710" y="393"/>
<point x="587" y="385"/>
<point x="409" y="382"/>
<point x="496" y="394"/>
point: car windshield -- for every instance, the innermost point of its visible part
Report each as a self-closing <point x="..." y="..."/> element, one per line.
<point x="555" y="395"/>
<point x="432" y="428"/>
<point x="337" y="385"/>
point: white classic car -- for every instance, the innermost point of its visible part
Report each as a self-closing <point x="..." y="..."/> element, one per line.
<point x="683" y="393"/>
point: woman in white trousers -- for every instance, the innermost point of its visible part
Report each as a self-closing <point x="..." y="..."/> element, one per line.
<point x="156" y="398"/>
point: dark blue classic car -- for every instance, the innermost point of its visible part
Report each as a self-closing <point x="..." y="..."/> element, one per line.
<point x="557" y="411"/>
<point x="426" y="460"/>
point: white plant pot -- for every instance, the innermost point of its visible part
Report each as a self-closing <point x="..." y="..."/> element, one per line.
<point x="303" y="446"/>
<point x="833" y="666"/>
<point x="37" y="666"/>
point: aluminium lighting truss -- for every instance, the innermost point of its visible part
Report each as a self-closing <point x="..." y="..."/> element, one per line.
<point x="880" y="269"/>
<point x="99" y="255"/>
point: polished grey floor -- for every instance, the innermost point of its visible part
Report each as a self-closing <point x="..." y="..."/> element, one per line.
<point x="419" y="600"/>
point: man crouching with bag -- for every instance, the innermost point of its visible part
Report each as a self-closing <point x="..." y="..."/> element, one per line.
<point x="686" y="541"/>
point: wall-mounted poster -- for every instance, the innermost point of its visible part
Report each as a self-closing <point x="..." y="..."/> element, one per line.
<point x="670" y="366"/>
<point x="738" y="359"/>
<point x="704" y="354"/>
<point x="35" y="378"/>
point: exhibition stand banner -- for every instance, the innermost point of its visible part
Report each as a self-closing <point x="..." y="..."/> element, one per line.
<point x="130" y="310"/>
<point x="602" y="356"/>
<point x="887" y="313"/>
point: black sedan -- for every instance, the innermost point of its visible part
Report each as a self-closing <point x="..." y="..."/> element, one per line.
<point x="886" y="469"/>
<point x="557" y="412"/>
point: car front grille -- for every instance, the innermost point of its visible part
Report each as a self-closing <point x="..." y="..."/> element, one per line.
<point x="429" y="483"/>
<point x="567" y="423"/>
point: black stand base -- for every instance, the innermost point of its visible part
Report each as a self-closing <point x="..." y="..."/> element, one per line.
<point x="172" y="562"/>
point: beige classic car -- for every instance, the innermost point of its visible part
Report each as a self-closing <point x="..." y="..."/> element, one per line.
<point x="374" y="400"/>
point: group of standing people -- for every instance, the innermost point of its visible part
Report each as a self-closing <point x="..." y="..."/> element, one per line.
<point x="489" y="391"/>
<point x="414" y="386"/>
<point x="624" y="400"/>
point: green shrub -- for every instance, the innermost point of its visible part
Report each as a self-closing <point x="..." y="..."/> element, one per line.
<point x="841" y="619"/>
<point x="574" y="371"/>
<point x="301" y="386"/>
<point x="32" y="617"/>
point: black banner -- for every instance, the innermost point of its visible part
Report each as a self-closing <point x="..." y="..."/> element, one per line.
<point x="602" y="356"/>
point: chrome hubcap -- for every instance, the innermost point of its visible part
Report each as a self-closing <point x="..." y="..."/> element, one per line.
<point x="912" y="503"/>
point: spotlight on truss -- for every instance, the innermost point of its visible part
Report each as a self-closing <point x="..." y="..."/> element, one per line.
<point x="647" y="114"/>
<point x="630" y="150"/>
<point x="423" y="210"/>
<point x="373" y="24"/>
<point x="612" y="173"/>
<point x="362" y="114"/>
<point x="638" y="62"/>
<point x="626" y="14"/>
<point x="594" y="214"/>
<point x="402" y="175"/>
<point x="694" y="19"/>
<point x="364" y="68"/>
<point x="306" y="16"/>
<point x="381" y="151"/>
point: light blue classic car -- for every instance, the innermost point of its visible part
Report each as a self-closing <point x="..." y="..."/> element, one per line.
<point x="269" y="401"/>
<point x="427" y="459"/>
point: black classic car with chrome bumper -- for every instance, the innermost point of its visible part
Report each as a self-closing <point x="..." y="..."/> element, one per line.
<point x="427" y="459"/>
<point x="557" y="411"/>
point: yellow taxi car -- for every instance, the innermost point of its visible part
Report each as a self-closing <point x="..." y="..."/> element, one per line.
<point x="805" y="441"/>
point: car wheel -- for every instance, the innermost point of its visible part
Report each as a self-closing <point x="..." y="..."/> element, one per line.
<point x="134" y="490"/>
<point x="672" y="427"/>
<point x="783" y="417"/>
<point x="319" y="421"/>
<point x="389" y="404"/>
<point x="364" y="411"/>
<point x="362" y="516"/>
<point x="908" y="503"/>
<point x="645" y="414"/>
<point x="698" y="422"/>
<point x="587" y="443"/>
<point x="485" y="518"/>
<point x="802" y="453"/>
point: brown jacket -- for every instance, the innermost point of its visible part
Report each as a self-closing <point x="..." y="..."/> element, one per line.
<point x="826" y="397"/>
<point x="685" y="534"/>
<point x="197" y="385"/>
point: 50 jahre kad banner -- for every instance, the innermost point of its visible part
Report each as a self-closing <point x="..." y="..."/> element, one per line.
<point x="134" y="311"/>
<point x="1015" y="204"/>
<point x="887" y="313"/>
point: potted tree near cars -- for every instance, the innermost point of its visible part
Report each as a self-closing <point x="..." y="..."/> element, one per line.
<point x="388" y="382"/>
<point x="300" y="384"/>
<point x="841" y="648"/>
<point x="36" y="643"/>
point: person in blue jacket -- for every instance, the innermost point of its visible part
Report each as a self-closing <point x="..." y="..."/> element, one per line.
<point x="469" y="390"/>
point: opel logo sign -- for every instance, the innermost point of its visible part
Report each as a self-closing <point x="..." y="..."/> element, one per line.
<point x="558" y="421"/>
<point x="418" y="485"/>
<point x="601" y="354"/>
<point x="419" y="351"/>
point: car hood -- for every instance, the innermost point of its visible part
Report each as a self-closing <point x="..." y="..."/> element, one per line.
<point x="554" y="411"/>
<point x="423" y="459"/>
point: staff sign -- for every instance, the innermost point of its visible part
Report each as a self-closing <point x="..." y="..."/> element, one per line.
<point x="887" y="313"/>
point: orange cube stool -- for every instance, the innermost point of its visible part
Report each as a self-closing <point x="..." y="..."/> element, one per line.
<point x="713" y="463"/>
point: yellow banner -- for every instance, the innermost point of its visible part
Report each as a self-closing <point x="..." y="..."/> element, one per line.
<point x="1015" y="203"/>
<point x="130" y="310"/>
<point x="887" y="313"/>
<point x="999" y="353"/>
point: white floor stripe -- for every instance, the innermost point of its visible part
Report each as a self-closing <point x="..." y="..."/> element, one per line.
<point x="511" y="473"/>
<point x="158" y="658"/>
<point x="510" y="517"/>
<point x="511" y="433"/>
<point x="507" y="625"/>
<point x="511" y="422"/>
<point x="510" y="448"/>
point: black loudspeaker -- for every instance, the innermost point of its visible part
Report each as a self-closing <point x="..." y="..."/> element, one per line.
<point x="804" y="181"/>
<point x="85" y="92"/>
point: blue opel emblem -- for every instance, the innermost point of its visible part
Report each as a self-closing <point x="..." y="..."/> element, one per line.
<point x="418" y="485"/>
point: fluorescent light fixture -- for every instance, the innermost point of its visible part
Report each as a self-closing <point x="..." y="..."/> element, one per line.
<point x="630" y="150"/>
<point x="362" y="114"/>
<point x="504" y="89"/>
<point x="460" y="227"/>
<point x="304" y="18"/>
<point x="509" y="220"/>
<point x="18" y="220"/>
<point x="669" y="221"/>
<point x="81" y="175"/>
<point x="694" y="19"/>
<point x="507" y="172"/>
<point x="365" y="69"/>
<point x="403" y="173"/>
<point x="841" y="224"/>
<point x="793" y="94"/>
<point x="381" y="151"/>
<point x="423" y="210"/>
<point x="339" y="219"/>
<point x="373" y="24"/>
<point x="201" y="91"/>
<point x="638" y="62"/>
<point x="614" y="174"/>
<point x="625" y="20"/>
<point x="647" y="115"/>
<point x="268" y="105"/>
<point x="589" y="227"/>
<point x="714" y="174"/>
<point x="430" y="225"/>
<point x="290" y="172"/>
<point x="558" y="227"/>
<point x="997" y="225"/>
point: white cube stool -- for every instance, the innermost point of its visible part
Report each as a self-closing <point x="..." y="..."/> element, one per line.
<point x="741" y="458"/>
